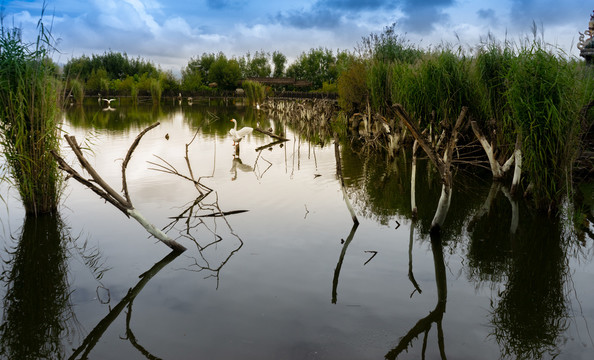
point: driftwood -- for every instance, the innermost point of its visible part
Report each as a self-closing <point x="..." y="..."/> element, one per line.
<point x="271" y="134"/>
<point x="105" y="191"/>
<point x="442" y="163"/>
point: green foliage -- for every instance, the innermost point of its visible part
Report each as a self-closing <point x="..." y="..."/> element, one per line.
<point x="116" y="66"/>
<point x="256" y="66"/>
<point x="156" y="89"/>
<point x="30" y="100"/>
<point x="435" y="87"/>
<point x="317" y="66"/>
<point x="544" y="101"/>
<point x="225" y="73"/>
<point x="134" y="94"/>
<point x="388" y="47"/>
<point x="378" y="83"/>
<point x="254" y="91"/>
<point x="195" y="74"/>
<point x="352" y="88"/>
<point x="78" y="91"/>
<point x="191" y="79"/>
<point x="279" y="60"/>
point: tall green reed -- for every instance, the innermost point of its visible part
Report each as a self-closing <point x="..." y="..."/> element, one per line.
<point x="78" y="91"/>
<point x="255" y="92"/>
<point x="156" y="89"/>
<point x="545" y="95"/>
<point x="434" y="88"/>
<point x="30" y="101"/>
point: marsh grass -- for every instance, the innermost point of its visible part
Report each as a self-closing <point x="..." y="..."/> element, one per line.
<point x="77" y="90"/>
<point x="134" y="94"/>
<point x="255" y="92"/>
<point x="529" y="88"/>
<point x="545" y="95"/>
<point x="156" y="89"/>
<point x="435" y="88"/>
<point x="30" y="101"/>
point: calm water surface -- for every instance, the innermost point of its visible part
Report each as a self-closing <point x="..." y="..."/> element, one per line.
<point x="285" y="274"/>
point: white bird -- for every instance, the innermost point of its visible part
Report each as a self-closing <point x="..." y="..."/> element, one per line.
<point x="108" y="101"/>
<point x="239" y="134"/>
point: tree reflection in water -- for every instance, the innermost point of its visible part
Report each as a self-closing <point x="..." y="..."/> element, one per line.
<point x="37" y="310"/>
<point x="436" y="315"/>
<point x="531" y="315"/>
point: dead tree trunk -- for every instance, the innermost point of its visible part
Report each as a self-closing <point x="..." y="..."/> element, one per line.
<point x="498" y="169"/>
<point x="104" y="190"/>
<point x="442" y="163"/>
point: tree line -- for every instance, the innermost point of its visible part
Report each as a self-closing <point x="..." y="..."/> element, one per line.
<point x="117" y="73"/>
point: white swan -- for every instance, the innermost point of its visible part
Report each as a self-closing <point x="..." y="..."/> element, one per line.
<point x="239" y="134"/>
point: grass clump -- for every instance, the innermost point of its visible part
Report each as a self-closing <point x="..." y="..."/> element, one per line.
<point x="255" y="92"/>
<point x="77" y="90"/>
<point x="30" y="103"/>
<point x="156" y="90"/>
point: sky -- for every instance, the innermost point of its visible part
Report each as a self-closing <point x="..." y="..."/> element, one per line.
<point x="169" y="33"/>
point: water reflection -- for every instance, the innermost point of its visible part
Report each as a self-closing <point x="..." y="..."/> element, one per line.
<point x="501" y="242"/>
<point x="95" y="335"/>
<point x="345" y="245"/>
<point x="201" y="220"/>
<point x="237" y="164"/>
<point x="435" y="315"/>
<point x="531" y="314"/>
<point x="38" y="314"/>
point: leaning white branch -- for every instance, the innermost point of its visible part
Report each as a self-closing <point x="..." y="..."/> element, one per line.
<point x="102" y="188"/>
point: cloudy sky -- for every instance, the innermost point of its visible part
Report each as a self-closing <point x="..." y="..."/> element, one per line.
<point x="170" y="32"/>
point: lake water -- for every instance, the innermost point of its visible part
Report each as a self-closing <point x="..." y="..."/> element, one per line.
<point x="285" y="274"/>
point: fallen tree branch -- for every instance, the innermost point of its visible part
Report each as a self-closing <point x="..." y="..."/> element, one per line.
<point x="102" y="188"/>
<point x="271" y="134"/>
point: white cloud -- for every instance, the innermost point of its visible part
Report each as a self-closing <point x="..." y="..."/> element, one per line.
<point x="173" y="32"/>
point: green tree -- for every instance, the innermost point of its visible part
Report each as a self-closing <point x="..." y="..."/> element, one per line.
<point x="96" y="80"/>
<point x="226" y="73"/>
<point x="317" y="66"/>
<point x="256" y="66"/>
<point x="279" y="60"/>
<point x="191" y="79"/>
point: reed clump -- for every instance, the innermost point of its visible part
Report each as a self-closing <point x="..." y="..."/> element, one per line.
<point x="255" y="92"/>
<point x="30" y="103"/>
<point x="77" y="90"/>
<point x="156" y="89"/>
<point x="527" y="92"/>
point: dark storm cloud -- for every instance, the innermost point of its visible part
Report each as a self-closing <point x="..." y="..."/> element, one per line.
<point x="486" y="14"/>
<point x="326" y="14"/>
<point x="547" y="12"/>
<point x="422" y="15"/>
